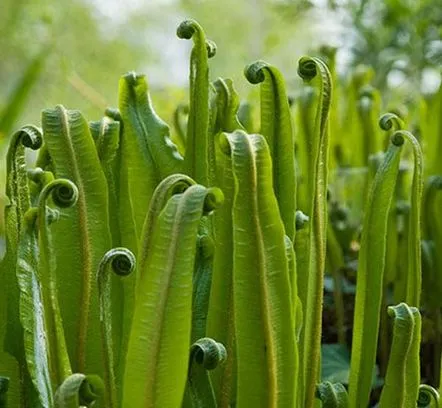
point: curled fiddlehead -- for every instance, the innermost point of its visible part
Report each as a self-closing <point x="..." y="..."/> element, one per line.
<point x="205" y="354"/>
<point x="190" y="28"/>
<point x="254" y="72"/>
<point x="64" y="194"/>
<point x="307" y="68"/>
<point x="16" y="180"/>
<point x="78" y="390"/>
<point x="29" y="136"/>
<point x="332" y="395"/>
<point x="277" y="128"/>
<point x="122" y="262"/>
<point x="390" y="121"/>
<point x="427" y="395"/>
<point x="208" y="353"/>
<point x="314" y="70"/>
<point x="199" y="153"/>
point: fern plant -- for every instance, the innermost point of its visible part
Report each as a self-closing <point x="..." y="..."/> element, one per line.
<point x="145" y="269"/>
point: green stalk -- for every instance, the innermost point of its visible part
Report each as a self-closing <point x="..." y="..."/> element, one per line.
<point x="122" y="262"/>
<point x="370" y="275"/>
<point x="64" y="194"/>
<point x="199" y="152"/>
<point x="414" y="274"/>
<point x="312" y="270"/>
<point x="401" y="389"/>
<point x="205" y="354"/>
<point x="277" y="128"/>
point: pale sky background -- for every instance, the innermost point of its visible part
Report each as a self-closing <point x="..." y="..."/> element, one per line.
<point x="113" y="13"/>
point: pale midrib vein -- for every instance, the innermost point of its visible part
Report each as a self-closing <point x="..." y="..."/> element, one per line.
<point x="265" y="309"/>
<point x="85" y="253"/>
<point x="198" y="127"/>
<point x="150" y="384"/>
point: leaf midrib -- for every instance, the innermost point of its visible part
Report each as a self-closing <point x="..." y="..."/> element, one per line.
<point x="85" y="252"/>
<point x="150" y="385"/>
<point x="265" y="309"/>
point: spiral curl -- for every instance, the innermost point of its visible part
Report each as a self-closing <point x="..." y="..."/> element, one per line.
<point x="29" y="136"/>
<point x="122" y="261"/>
<point x="213" y="200"/>
<point x="187" y="28"/>
<point x="63" y="191"/>
<point x="254" y="72"/>
<point x="397" y="138"/>
<point x="426" y="395"/>
<point x="307" y="69"/>
<point x="208" y="353"/>
<point x="390" y="121"/>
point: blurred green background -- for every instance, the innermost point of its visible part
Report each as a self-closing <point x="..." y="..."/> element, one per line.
<point x="73" y="52"/>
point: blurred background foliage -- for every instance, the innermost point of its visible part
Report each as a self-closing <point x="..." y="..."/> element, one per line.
<point x="74" y="52"/>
